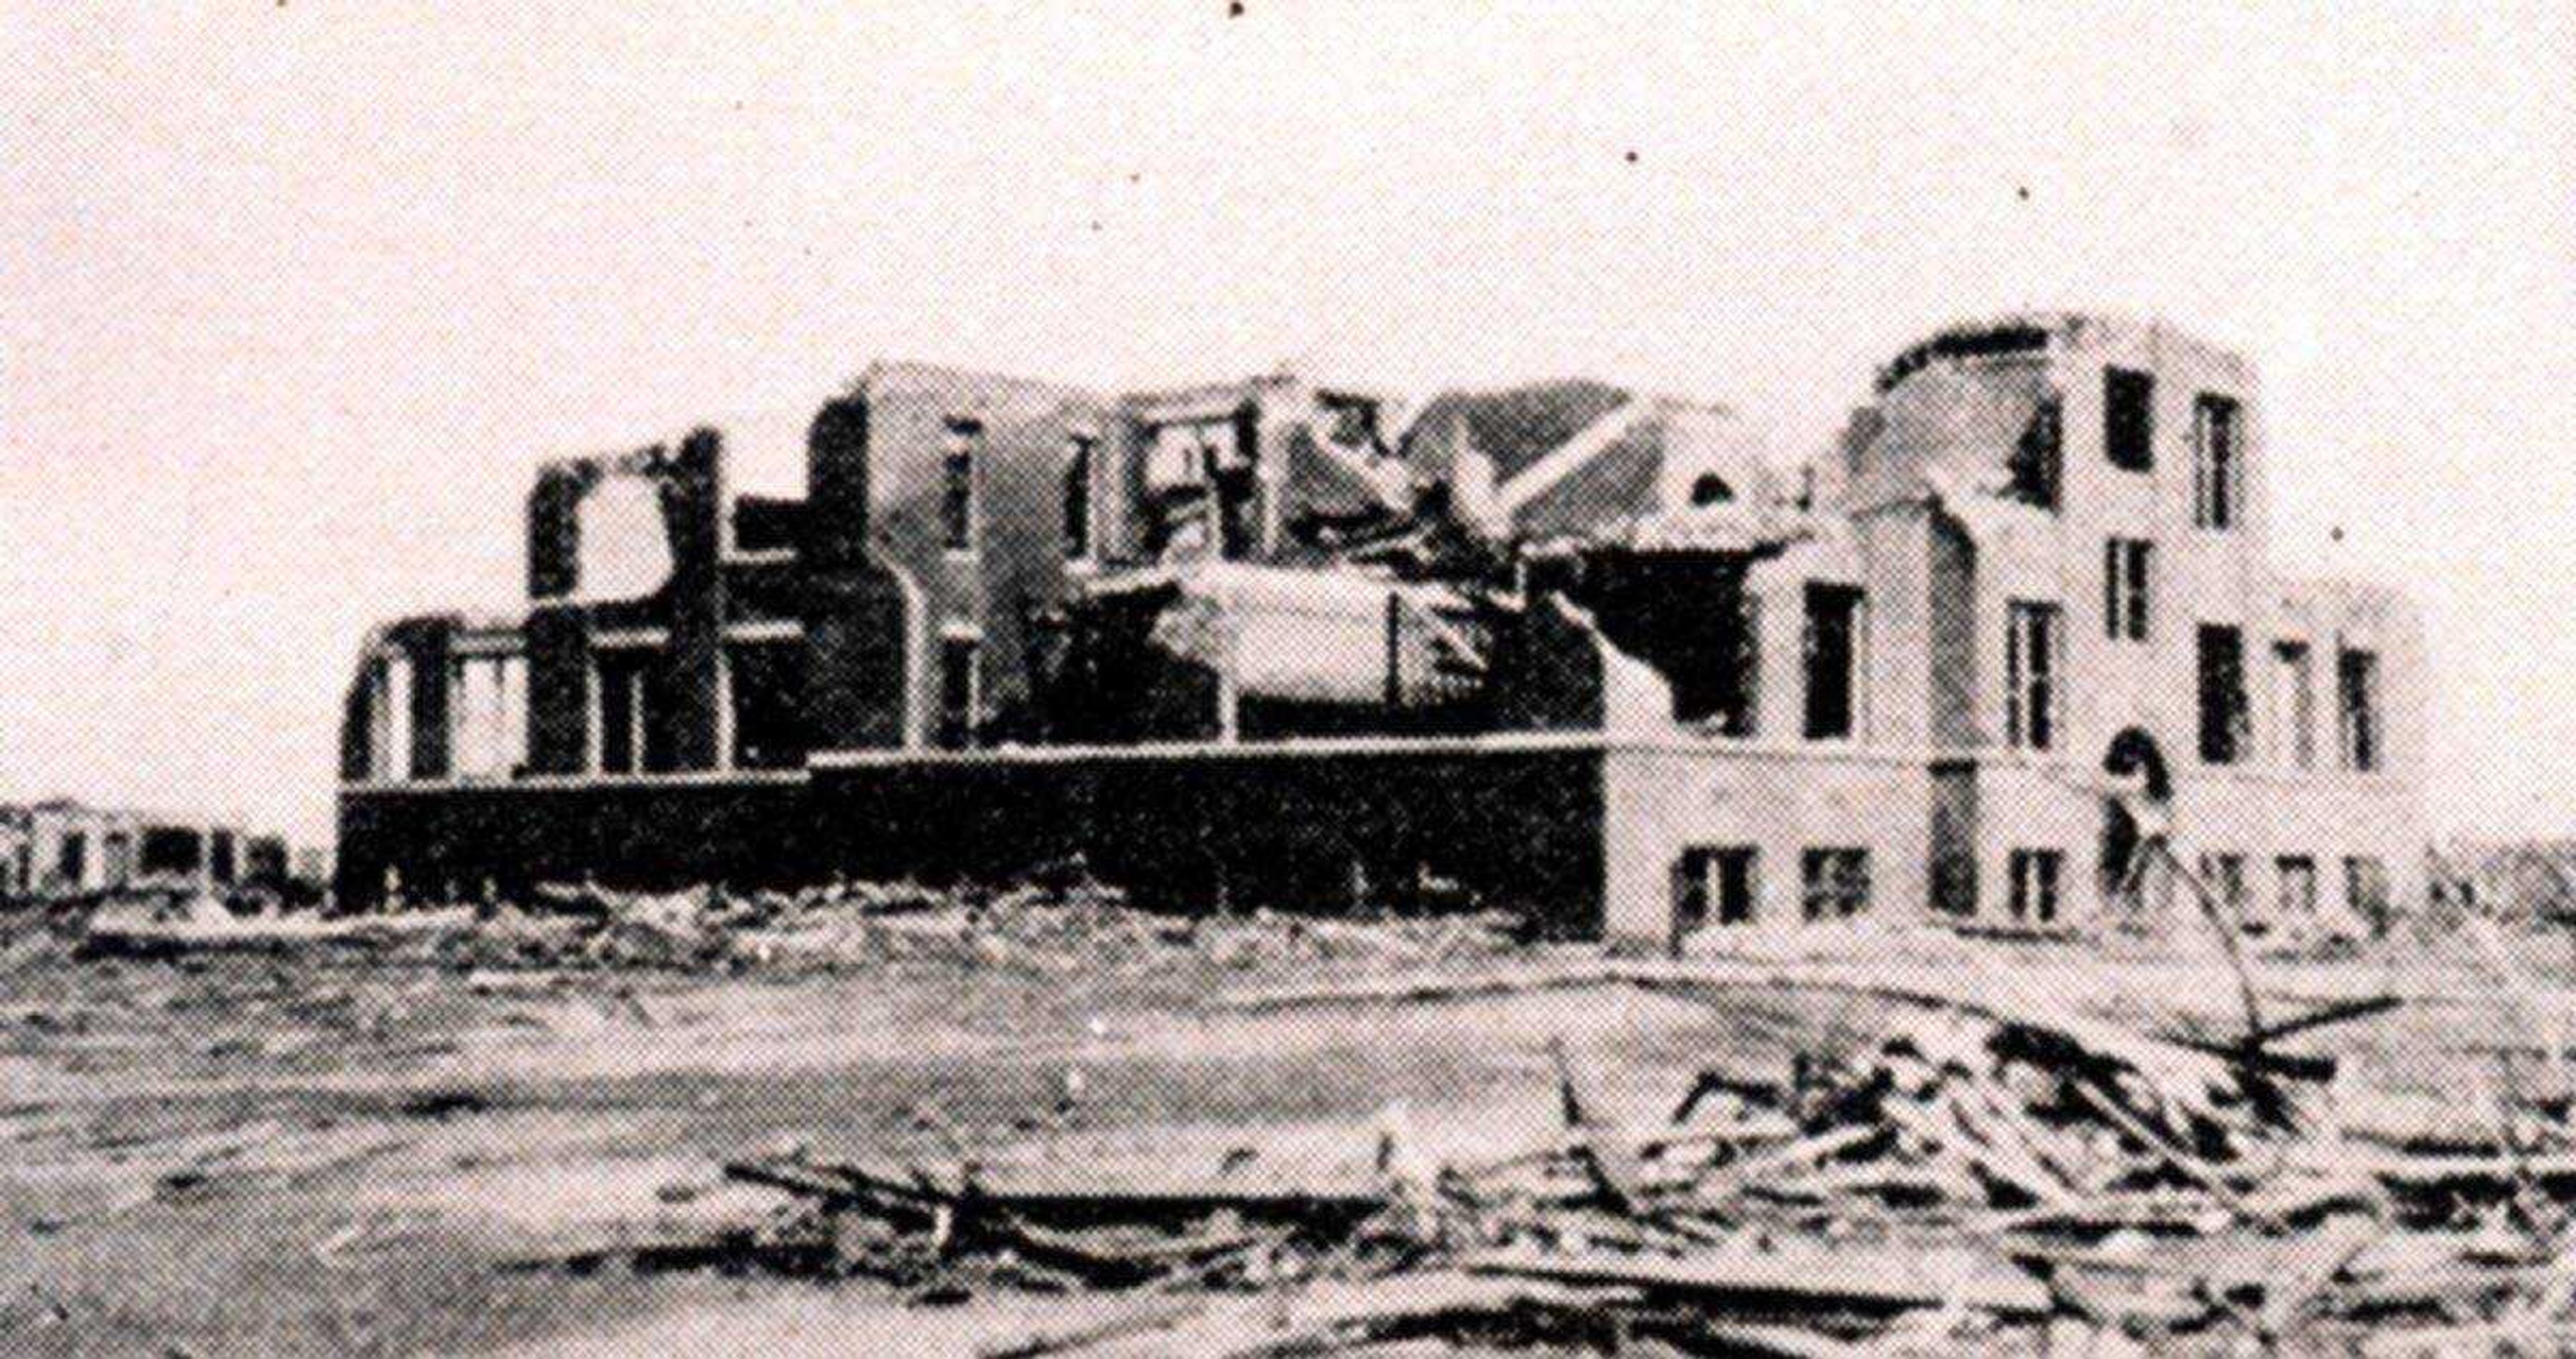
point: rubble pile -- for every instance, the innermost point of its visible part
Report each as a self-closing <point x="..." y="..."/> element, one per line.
<point x="844" y="925"/>
<point x="1986" y="1170"/>
<point x="162" y="924"/>
<point x="1084" y="927"/>
<point x="1978" y="1179"/>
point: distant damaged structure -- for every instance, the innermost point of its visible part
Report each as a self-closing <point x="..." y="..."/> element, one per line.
<point x="60" y="848"/>
<point x="1565" y="647"/>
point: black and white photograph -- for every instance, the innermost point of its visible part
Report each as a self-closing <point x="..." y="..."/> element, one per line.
<point x="1266" y="678"/>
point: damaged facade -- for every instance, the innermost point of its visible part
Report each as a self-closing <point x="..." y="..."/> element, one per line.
<point x="61" y="848"/>
<point x="1564" y="647"/>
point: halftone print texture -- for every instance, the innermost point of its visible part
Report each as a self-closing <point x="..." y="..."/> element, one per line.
<point x="1255" y="679"/>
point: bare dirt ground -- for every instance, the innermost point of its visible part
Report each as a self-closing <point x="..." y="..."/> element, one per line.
<point x="334" y="1154"/>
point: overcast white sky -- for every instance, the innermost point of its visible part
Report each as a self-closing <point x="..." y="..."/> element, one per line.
<point x="293" y="295"/>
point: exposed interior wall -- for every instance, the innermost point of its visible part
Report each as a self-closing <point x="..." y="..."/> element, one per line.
<point x="1549" y="671"/>
<point x="860" y="631"/>
<point x="1686" y="616"/>
<point x="1243" y="501"/>
<point x="1777" y="589"/>
<point x="1020" y="434"/>
<point x="1920" y="513"/>
<point x="687" y="605"/>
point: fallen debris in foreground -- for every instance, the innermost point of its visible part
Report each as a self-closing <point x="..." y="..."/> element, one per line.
<point x="151" y="927"/>
<point x="1082" y="927"/>
<point x="1986" y="1176"/>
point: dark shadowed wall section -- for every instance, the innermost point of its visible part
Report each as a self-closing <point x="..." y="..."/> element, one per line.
<point x="1321" y="828"/>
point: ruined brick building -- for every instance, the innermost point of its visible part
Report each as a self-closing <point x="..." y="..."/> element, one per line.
<point x="62" y="848"/>
<point x="1566" y="647"/>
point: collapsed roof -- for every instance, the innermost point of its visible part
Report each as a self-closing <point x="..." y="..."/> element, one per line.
<point x="1310" y="634"/>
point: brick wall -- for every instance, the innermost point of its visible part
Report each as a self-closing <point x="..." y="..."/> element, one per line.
<point x="857" y="636"/>
<point x="692" y="488"/>
<point x="557" y="640"/>
<point x="1242" y="828"/>
<point x="357" y="716"/>
<point x="1023" y="438"/>
<point x="426" y="642"/>
<point x="554" y="531"/>
<point x="1778" y="800"/>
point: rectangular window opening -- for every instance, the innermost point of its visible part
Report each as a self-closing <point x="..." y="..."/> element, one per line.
<point x="488" y="715"/>
<point x="389" y="718"/>
<point x="71" y="860"/>
<point x="2039" y="457"/>
<point x="1202" y="487"/>
<point x="1834" y="883"/>
<point x="2222" y="694"/>
<point x="2128" y="577"/>
<point x="2033" y="659"/>
<point x="1833" y="660"/>
<point x="766" y="687"/>
<point x="2366" y="890"/>
<point x="635" y="713"/>
<point x="960" y="692"/>
<point x="1713" y="884"/>
<point x="2129" y="419"/>
<point x="957" y="506"/>
<point x="2298" y="899"/>
<point x="2294" y="694"/>
<point x="2035" y="880"/>
<point x="2357" y="682"/>
<point x="1077" y="498"/>
<point x="2217" y="441"/>
<point x="2222" y="875"/>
